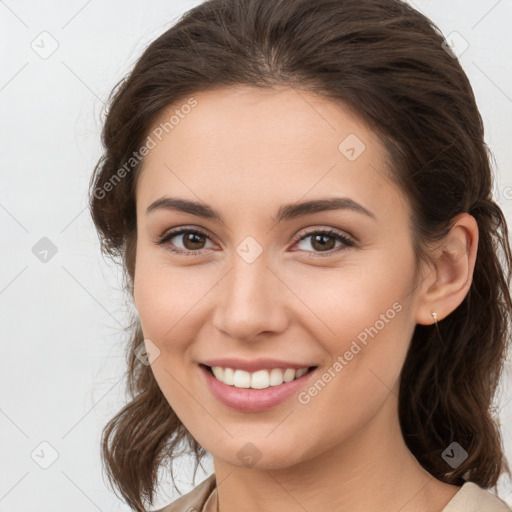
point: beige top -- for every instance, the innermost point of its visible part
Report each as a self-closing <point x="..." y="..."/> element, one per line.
<point x="469" y="498"/>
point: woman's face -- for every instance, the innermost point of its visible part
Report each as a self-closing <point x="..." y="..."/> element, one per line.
<point x="245" y="288"/>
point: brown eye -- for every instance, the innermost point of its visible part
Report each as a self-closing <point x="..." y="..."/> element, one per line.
<point x="192" y="241"/>
<point x="324" y="241"/>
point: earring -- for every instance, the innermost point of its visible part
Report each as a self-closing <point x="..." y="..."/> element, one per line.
<point x="434" y="314"/>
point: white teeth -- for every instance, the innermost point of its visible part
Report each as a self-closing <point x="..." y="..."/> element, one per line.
<point x="276" y="377"/>
<point x="260" y="379"/>
<point x="289" y="375"/>
<point x="218" y="372"/>
<point x="242" y="379"/>
<point x="228" y="377"/>
<point x="300" y="372"/>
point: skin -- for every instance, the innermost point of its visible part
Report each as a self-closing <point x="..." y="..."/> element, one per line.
<point x="245" y="152"/>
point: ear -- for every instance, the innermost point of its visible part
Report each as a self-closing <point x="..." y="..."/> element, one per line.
<point x="446" y="284"/>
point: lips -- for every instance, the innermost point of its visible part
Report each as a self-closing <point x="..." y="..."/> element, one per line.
<point x="247" y="399"/>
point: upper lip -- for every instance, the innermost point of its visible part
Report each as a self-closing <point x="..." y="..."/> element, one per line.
<point x="255" y="364"/>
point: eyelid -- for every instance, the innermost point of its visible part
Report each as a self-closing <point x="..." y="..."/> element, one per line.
<point x="171" y="233"/>
<point x="324" y="230"/>
<point x="347" y="240"/>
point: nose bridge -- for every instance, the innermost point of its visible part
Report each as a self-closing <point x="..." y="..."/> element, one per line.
<point x="248" y="303"/>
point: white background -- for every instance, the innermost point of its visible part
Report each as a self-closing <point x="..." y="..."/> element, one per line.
<point x="62" y="350"/>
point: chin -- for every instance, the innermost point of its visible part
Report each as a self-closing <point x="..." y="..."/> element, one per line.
<point x="258" y="452"/>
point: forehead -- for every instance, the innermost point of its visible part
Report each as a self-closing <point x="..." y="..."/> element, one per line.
<point x="250" y="120"/>
<point x="281" y="144"/>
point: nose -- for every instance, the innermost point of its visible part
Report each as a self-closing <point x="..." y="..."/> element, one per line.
<point x="251" y="301"/>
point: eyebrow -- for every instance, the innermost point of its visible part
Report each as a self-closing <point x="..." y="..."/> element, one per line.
<point x="285" y="212"/>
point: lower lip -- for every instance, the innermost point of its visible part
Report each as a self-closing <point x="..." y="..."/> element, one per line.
<point x="253" y="400"/>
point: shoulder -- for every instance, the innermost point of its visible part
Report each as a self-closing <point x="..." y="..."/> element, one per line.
<point x="194" y="500"/>
<point x="473" y="498"/>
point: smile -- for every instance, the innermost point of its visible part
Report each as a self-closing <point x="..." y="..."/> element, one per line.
<point x="260" y="379"/>
<point x="255" y="391"/>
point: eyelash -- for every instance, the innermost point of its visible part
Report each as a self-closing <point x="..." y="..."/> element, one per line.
<point x="330" y="232"/>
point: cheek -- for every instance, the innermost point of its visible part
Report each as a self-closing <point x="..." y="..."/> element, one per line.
<point x="363" y="322"/>
<point x="350" y="303"/>
<point x="169" y="301"/>
<point x="165" y="299"/>
<point x="367" y="355"/>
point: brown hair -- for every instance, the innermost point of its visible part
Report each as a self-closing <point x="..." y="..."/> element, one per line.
<point x="386" y="61"/>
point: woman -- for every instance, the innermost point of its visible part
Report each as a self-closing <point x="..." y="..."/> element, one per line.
<point x="300" y="195"/>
